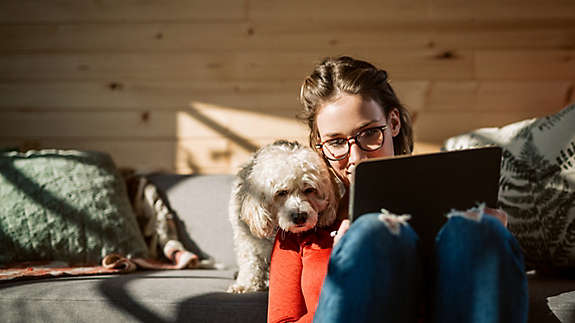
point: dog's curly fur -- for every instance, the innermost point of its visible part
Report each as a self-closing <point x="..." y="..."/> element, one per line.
<point x="284" y="185"/>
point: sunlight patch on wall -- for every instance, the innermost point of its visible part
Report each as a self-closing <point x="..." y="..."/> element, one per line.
<point x="218" y="139"/>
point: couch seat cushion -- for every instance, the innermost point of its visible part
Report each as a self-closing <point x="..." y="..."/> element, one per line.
<point x="193" y="295"/>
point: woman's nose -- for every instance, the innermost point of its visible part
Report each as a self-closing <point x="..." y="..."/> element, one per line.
<point x="356" y="154"/>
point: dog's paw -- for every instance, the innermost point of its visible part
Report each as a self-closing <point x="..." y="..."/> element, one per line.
<point x="241" y="289"/>
<point x="237" y="289"/>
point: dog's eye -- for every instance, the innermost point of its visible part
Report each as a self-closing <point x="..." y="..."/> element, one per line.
<point x="282" y="193"/>
<point x="309" y="190"/>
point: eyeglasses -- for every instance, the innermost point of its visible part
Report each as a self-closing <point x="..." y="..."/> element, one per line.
<point x="369" y="139"/>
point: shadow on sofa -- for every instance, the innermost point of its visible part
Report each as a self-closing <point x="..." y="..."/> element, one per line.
<point x="176" y="307"/>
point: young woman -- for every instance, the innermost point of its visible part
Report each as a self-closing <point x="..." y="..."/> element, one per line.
<point x="375" y="273"/>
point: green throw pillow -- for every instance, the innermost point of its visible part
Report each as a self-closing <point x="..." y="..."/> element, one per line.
<point x="537" y="185"/>
<point x="69" y="206"/>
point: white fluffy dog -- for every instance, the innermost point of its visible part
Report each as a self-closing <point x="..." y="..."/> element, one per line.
<point x="287" y="186"/>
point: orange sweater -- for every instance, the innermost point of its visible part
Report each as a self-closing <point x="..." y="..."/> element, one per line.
<point x="298" y="268"/>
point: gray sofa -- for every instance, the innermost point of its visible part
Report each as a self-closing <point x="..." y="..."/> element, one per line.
<point x="195" y="295"/>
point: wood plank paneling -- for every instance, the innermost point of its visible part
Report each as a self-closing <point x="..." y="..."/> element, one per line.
<point x="79" y="11"/>
<point x="114" y="66"/>
<point x="189" y="66"/>
<point x="144" y="155"/>
<point x="203" y="156"/>
<point x="435" y="127"/>
<point x="88" y="125"/>
<point x="488" y="10"/>
<point x="239" y="155"/>
<point x="197" y="86"/>
<point x="218" y="156"/>
<point x="504" y="35"/>
<point x="167" y="95"/>
<point x="148" y="155"/>
<point x="525" y="65"/>
<point x="245" y="66"/>
<point x="280" y="37"/>
<point x="342" y="11"/>
<point x="275" y="97"/>
<point x="525" y="97"/>
<point x="237" y="125"/>
<point x="412" y="94"/>
<point x="198" y="121"/>
<point x="137" y="37"/>
<point x="124" y="37"/>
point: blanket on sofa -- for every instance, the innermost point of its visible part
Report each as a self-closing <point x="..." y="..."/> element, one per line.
<point x="111" y="264"/>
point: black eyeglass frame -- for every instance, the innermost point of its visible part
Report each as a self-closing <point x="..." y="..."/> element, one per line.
<point x="354" y="137"/>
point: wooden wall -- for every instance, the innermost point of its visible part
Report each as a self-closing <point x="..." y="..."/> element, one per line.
<point x="196" y="86"/>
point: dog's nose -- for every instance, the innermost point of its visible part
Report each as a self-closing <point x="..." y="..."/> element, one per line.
<point x="299" y="217"/>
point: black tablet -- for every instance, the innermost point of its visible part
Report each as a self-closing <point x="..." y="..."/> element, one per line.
<point x="427" y="186"/>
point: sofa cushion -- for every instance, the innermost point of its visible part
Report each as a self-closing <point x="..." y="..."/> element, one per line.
<point x="193" y="295"/>
<point x="201" y="204"/>
<point x="537" y="185"/>
<point x="69" y="206"/>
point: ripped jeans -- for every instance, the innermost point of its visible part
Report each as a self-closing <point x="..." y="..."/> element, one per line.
<point x="376" y="274"/>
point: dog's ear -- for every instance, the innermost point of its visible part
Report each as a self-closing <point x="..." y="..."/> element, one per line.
<point x="255" y="215"/>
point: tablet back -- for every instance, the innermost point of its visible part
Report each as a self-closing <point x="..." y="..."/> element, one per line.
<point x="427" y="186"/>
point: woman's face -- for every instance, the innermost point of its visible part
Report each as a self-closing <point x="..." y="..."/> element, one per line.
<point x="347" y="116"/>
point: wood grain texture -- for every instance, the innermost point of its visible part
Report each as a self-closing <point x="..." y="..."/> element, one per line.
<point x="198" y="121"/>
<point x="343" y="11"/>
<point x="144" y="155"/>
<point x="519" y="97"/>
<point x="493" y="10"/>
<point x="156" y="95"/>
<point x="240" y="66"/>
<point x="336" y="36"/>
<point x="525" y="65"/>
<point x="436" y="127"/>
<point x="103" y="11"/>
<point x="196" y="86"/>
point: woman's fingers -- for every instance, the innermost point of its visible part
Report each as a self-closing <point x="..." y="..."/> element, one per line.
<point x="341" y="231"/>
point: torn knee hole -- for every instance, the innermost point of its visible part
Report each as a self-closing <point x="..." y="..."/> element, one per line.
<point x="474" y="214"/>
<point x="393" y="221"/>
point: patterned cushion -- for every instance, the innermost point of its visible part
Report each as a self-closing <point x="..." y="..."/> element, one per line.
<point x="537" y="185"/>
<point x="69" y="206"/>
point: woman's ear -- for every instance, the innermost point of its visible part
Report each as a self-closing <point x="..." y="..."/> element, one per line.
<point x="394" y="122"/>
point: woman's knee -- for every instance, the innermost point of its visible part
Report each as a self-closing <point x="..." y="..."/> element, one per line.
<point x="375" y="251"/>
<point x="377" y="234"/>
<point x="475" y="230"/>
<point x="382" y="226"/>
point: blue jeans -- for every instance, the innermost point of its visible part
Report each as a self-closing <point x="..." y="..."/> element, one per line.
<point x="378" y="275"/>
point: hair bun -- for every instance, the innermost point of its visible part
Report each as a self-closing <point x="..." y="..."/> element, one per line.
<point x="382" y="74"/>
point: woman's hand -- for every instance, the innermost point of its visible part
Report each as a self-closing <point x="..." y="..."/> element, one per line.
<point x="341" y="231"/>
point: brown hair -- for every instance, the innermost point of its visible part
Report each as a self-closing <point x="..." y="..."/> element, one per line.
<point x="346" y="75"/>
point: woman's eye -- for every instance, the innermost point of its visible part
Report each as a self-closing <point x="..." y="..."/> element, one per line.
<point x="370" y="132"/>
<point x="337" y="142"/>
